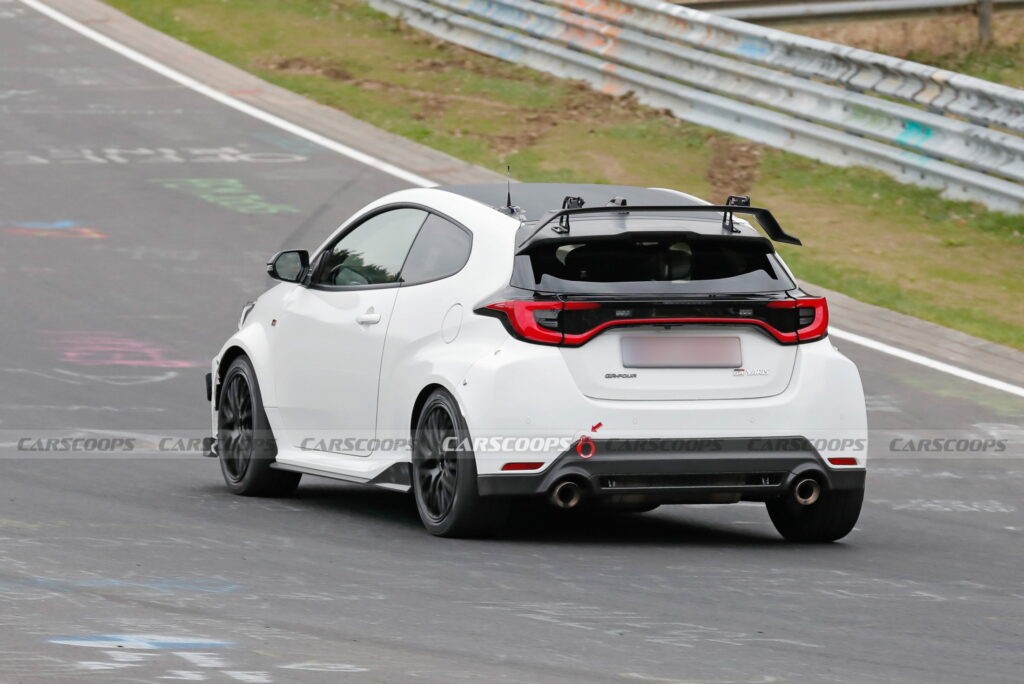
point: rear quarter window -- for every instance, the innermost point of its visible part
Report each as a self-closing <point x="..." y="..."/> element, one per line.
<point x="441" y="249"/>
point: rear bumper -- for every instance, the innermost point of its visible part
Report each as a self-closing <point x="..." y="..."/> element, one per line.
<point x="527" y="391"/>
<point x="681" y="470"/>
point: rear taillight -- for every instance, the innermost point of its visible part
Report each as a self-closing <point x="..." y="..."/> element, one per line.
<point x="573" y="323"/>
<point x="536" y="321"/>
<point x="811" y="318"/>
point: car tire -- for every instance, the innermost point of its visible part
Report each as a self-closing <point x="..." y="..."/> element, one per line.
<point x="245" y="442"/>
<point x="830" y="518"/>
<point x="444" y="478"/>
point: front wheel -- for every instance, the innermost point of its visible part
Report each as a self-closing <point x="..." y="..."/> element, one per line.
<point x="830" y="518"/>
<point x="444" y="474"/>
<point x="245" y="443"/>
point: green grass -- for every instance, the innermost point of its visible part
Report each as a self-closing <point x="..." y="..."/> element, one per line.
<point x="999" y="63"/>
<point x="866" y="235"/>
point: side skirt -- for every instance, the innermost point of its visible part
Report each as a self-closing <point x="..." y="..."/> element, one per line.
<point x="397" y="478"/>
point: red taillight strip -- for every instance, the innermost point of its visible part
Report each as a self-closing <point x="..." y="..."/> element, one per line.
<point x="520" y="316"/>
<point x="842" y="460"/>
<point x="576" y="340"/>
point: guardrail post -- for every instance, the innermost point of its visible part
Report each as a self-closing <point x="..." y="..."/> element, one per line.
<point x="985" y="10"/>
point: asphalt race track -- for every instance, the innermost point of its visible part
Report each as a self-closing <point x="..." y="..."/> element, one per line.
<point x="135" y="217"/>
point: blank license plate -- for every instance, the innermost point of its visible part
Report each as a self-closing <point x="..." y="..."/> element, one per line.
<point x="681" y="352"/>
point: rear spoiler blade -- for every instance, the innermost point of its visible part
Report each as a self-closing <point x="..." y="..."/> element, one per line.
<point x="562" y="218"/>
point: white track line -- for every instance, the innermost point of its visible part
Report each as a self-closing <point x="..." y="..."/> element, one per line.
<point x="227" y="100"/>
<point x="418" y="180"/>
<point x="926" y="361"/>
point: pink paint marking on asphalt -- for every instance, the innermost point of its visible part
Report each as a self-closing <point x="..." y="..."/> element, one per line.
<point x="107" y="349"/>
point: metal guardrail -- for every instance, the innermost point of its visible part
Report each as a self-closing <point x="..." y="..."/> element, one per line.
<point x="945" y="91"/>
<point x="761" y="84"/>
<point x="790" y="10"/>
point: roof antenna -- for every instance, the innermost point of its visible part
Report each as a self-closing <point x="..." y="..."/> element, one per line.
<point x="509" y="208"/>
<point x="508" y="188"/>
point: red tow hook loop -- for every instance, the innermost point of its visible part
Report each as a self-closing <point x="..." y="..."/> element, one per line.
<point x="585" y="448"/>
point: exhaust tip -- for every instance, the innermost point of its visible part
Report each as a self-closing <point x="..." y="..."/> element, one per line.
<point x="807" y="491"/>
<point x="566" y="494"/>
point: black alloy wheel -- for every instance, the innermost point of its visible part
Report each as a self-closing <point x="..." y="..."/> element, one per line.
<point x="437" y="457"/>
<point x="444" y="474"/>
<point x="235" y="427"/>
<point x="245" y="443"/>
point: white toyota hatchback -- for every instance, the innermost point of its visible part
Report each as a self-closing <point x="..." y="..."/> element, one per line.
<point x="606" y="347"/>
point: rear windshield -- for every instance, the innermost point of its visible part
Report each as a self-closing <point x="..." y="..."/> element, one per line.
<point x="670" y="265"/>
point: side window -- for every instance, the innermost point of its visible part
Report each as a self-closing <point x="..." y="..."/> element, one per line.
<point x="372" y="253"/>
<point x="441" y="249"/>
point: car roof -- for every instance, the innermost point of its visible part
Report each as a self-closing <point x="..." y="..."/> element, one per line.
<point x="537" y="199"/>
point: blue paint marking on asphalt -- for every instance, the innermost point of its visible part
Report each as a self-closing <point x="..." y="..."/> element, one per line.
<point x="47" y="225"/>
<point x="138" y="641"/>
<point x="165" y="586"/>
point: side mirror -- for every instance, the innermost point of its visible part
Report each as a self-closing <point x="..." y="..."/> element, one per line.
<point x="289" y="266"/>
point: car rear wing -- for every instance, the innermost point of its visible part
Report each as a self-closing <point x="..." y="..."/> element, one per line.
<point x="559" y="221"/>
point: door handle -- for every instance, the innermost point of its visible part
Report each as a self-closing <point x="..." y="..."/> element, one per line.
<point x="368" y="319"/>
